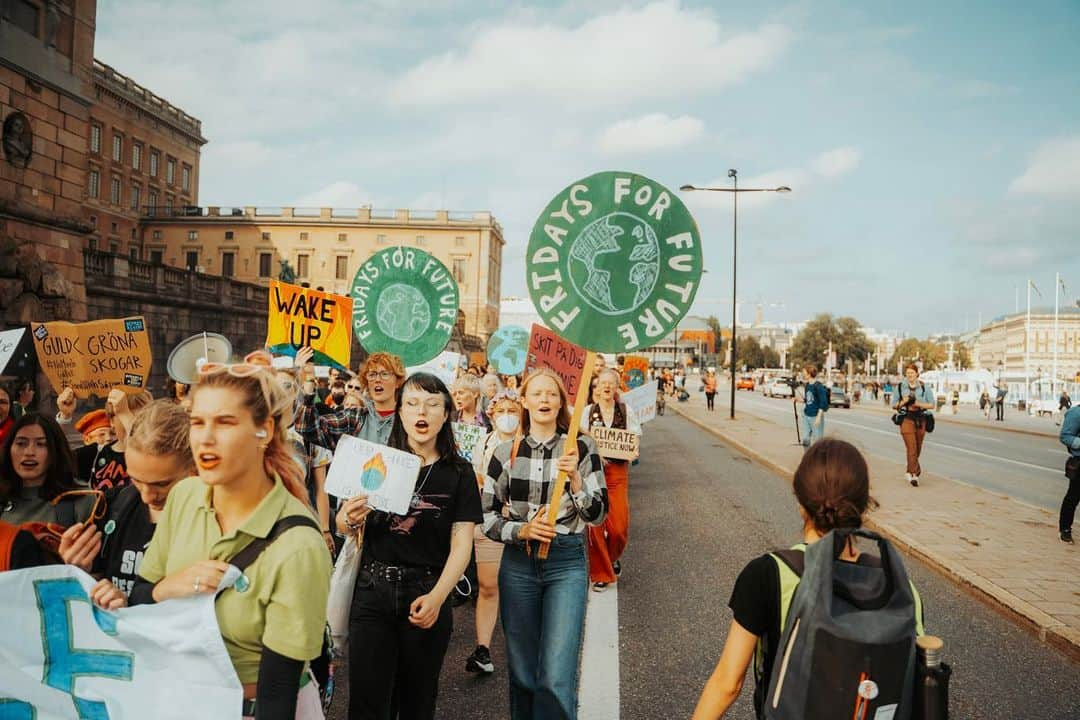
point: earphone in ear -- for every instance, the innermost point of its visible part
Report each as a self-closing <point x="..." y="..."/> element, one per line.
<point x="261" y="434"/>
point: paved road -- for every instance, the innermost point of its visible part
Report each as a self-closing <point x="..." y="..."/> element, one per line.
<point x="700" y="512"/>
<point x="1029" y="468"/>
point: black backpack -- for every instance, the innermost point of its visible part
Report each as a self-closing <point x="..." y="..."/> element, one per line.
<point x="847" y="647"/>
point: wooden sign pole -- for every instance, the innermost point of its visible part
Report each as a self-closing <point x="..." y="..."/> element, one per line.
<point x="571" y="441"/>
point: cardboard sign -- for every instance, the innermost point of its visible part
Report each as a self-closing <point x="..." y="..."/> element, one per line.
<point x="387" y="476"/>
<point x="468" y="437"/>
<point x="508" y="349"/>
<point x="614" y="262"/>
<point x="94" y="357"/>
<point x="302" y="317"/>
<point x="615" y="442"/>
<point x="63" y="658"/>
<point x="641" y="401"/>
<point x="405" y="302"/>
<point x="546" y="349"/>
<point x="635" y="371"/>
<point x="444" y="366"/>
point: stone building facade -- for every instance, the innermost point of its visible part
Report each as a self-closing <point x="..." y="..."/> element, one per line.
<point x="1000" y="344"/>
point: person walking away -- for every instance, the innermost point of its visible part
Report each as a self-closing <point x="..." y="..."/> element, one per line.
<point x="999" y="401"/>
<point x="542" y="602"/>
<point x="832" y="488"/>
<point x="1064" y="403"/>
<point x="710" y="383"/>
<point x="505" y="411"/>
<point x="608" y="541"/>
<point x="955" y="400"/>
<point x="888" y="390"/>
<point x="1070" y="438"/>
<point x="814" y="406"/>
<point x="400" y="622"/>
<point x="915" y="401"/>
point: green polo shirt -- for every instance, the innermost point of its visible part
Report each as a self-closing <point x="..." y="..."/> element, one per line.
<point x="284" y="608"/>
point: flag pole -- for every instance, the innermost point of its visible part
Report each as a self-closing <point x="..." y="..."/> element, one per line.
<point x="1027" y="344"/>
<point x="1057" y="296"/>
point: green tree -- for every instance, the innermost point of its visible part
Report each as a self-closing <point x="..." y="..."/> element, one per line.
<point x="848" y="341"/>
<point x="770" y="358"/>
<point x="717" y="330"/>
<point x="749" y="353"/>
<point x="962" y="356"/>
<point x="930" y="353"/>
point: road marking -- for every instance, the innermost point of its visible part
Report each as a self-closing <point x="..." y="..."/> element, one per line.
<point x="598" y="685"/>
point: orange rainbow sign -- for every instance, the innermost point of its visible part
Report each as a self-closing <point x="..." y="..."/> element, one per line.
<point x="302" y="317"/>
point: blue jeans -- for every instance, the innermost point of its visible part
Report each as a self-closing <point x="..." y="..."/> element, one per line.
<point x="813" y="428"/>
<point x="542" y="606"/>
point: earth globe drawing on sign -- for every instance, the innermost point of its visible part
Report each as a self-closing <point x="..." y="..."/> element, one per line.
<point x="402" y="313"/>
<point x="508" y="348"/>
<point x="614" y="263"/>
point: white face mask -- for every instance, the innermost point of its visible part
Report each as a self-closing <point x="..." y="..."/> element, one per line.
<point x="506" y="423"/>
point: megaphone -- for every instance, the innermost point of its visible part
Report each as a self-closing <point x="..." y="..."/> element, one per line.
<point x="190" y="354"/>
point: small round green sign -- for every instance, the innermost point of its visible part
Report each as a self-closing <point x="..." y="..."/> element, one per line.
<point x="405" y="302"/>
<point x="614" y="262"/>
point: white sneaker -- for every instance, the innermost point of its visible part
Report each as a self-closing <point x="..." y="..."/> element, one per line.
<point x="908" y="476"/>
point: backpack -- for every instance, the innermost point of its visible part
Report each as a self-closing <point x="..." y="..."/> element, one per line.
<point x="847" y="646"/>
<point x="826" y="394"/>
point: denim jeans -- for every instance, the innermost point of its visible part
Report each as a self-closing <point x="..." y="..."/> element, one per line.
<point x="542" y="604"/>
<point x="813" y="428"/>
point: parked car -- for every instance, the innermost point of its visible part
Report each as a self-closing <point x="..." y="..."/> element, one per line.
<point x="838" y="398"/>
<point x="779" y="388"/>
<point x="746" y="382"/>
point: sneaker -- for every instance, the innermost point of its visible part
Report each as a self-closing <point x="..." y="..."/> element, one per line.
<point x="480" y="661"/>
<point x="616" y="567"/>
<point x="1066" y="537"/>
<point x="914" y="480"/>
<point x="599" y="586"/>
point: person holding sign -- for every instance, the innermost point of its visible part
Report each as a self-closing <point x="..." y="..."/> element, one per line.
<point x="607" y="542"/>
<point x="400" y="622"/>
<point x="105" y="468"/>
<point x="542" y="602"/>
<point x="273" y="618"/>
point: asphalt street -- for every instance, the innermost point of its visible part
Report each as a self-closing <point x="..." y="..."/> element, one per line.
<point x="1029" y="468"/>
<point x="700" y="511"/>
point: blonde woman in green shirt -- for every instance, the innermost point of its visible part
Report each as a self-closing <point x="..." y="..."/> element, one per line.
<point x="272" y="620"/>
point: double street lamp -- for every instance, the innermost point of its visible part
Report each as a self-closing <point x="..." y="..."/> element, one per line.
<point x="734" y="190"/>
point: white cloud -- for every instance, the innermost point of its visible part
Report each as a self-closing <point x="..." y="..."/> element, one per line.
<point x="1054" y="170"/>
<point x="659" y="50"/>
<point x="650" y="132"/>
<point x="833" y="163"/>
<point x="339" y="194"/>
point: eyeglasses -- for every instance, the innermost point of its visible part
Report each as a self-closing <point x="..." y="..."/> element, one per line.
<point x="353" y="387"/>
<point x="379" y="375"/>
<point x="97" y="512"/>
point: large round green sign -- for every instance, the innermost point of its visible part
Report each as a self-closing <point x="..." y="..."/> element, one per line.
<point x="404" y="302"/>
<point x="614" y="262"/>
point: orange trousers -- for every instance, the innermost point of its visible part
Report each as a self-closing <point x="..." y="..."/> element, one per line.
<point x="607" y="541"/>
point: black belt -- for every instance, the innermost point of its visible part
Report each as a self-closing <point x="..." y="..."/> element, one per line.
<point x="396" y="573"/>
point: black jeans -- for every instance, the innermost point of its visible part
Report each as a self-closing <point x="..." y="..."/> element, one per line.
<point x="710" y="399"/>
<point x="1000" y="411"/>
<point x="393" y="663"/>
<point x="1069" y="503"/>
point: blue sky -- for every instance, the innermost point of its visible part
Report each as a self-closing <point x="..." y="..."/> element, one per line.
<point x="933" y="148"/>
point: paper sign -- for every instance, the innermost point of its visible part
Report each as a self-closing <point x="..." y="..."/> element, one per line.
<point x="387" y="476"/>
<point x="641" y="401"/>
<point x="94" y="357"/>
<point x="63" y="658"/>
<point x="468" y="437"/>
<point x="508" y="348"/>
<point x="9" y="342"/>
<point x="635" y="371"/>
<point x="615" y="442"/>
<point x="444" y="366"/>
<point x="546" y="349"/>
<point x="302" y="317"/>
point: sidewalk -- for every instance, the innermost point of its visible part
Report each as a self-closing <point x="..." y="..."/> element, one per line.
<point x="1005" y="549"/>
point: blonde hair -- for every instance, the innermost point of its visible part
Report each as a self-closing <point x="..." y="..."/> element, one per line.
<point x="137" y="401"/>
<point x="466" y="382"/>
<point x="162" y="429"/>
<point x="562" y="419"/>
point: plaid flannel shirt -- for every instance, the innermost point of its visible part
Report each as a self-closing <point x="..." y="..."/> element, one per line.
<point x="514" y="493"/>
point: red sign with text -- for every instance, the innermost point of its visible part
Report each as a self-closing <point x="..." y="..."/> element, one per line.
<point x="546" y="349"/>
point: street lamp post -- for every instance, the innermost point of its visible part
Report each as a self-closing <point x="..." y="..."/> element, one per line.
<point x="734" y="190"/>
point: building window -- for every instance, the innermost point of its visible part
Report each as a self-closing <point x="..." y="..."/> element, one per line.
<point x="136" y="156"/>
<point x="93" y="244"/>
<point x="114" y="247"/>
<point x="301" y="265"/>
<point x="228" y="234"/>
<point x="115" y="228"/>
<point x="168" y="204"/>
<point x="185" y="178"/>
<point x="95" y="139"/>
<point x="228" y="263"/>
<point x="155" y="157"/>
<point x="192" y="234"/>
<point x="266" y="236"/>
<point x="342" y="237"/>
<point x="264" y="264"/>
<point x="459" y="269"/>
<point x="151" y="200"/>
<point x="341" y="271"/>
<point x="114" y="191"/>
<point x="303" y="237"/>
<point x="133" y="252"/>
<point x="157" y="234"/>
<point x="459" y="241"/>
<point x="117" y="148"/>
<point x="93" y="221"/>
<point x="135" y="197"/>
<point x="170" y="171"/>
<point x="192" y="259"/>
<point x="421" y="240"/>
<point x="93" y="185"/>
<point x="156" y="257"/>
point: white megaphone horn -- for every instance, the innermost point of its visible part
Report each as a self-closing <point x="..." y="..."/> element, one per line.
<point x="194" y="352"/>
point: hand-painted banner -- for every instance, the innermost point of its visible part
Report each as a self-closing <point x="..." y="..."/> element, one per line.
<point x="387" y="476"/>
<point x="468" y="437"/>
<point x="613" y="262"/>
<point x="61" y="657"/>
<point x="546" y="349"/>
<point x="444" y="366"/>
<point x="635" y="371"/>
<point x="94" y="357"/>
<point x="404" y="302"/>
<point x="615" y="442"/>
<point x="641" y="401"/>
<point x="508" y="348"/>
<point x="302" y="317"/>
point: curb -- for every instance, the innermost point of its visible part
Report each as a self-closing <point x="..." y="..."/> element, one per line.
<point x="1046" y="628"/>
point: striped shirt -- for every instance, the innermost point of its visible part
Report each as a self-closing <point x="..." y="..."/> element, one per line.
<point x="513" y="493"/>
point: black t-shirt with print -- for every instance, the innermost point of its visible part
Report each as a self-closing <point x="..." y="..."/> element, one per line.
<point x="422" y="537"/>
<point x="124" y="541"/>
<point x="103" y="469"/>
